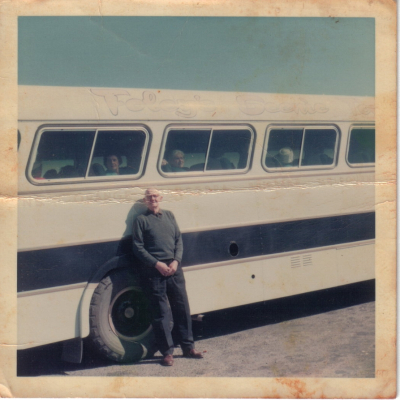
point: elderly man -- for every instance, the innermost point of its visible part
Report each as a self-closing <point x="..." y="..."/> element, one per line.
<point x="176" y="162"/>
<point x="157" y="243"/>
<point x="285" y="157"/>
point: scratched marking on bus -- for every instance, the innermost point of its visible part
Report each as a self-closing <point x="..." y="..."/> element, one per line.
<point x="187" y="108"/>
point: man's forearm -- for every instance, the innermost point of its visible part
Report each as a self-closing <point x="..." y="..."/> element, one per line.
<point x="142" y="254"/>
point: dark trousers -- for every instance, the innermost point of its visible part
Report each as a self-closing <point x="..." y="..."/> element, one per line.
<point x="167" y="294"/>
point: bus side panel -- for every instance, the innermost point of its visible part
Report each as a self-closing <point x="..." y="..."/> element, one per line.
<point x="280" y="276"/>
<point x="224" y="286"/>
<point x="57" y="320"/>
<point x="316" y="270"/>
<point x="355" y="264"/>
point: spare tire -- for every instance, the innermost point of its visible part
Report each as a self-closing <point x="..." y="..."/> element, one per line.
<point x="120" y="321"/>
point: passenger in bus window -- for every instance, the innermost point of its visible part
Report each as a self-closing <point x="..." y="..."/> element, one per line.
<point x="112" y="163"/>
<point x="285" y="157"/>
<point x="316" y="156"/>
<point x="157" y="243"/>
<point x="217" y="161"/>
<point x="37" y="170"/>
<point x="175" y="162"/>
<point x="68" y="171"/>
<point x="50" y="174"/>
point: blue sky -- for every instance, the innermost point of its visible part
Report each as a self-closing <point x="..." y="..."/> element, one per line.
<point x="251" y="54"/>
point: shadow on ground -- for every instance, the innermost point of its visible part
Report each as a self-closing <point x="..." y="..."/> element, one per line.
<point x="236" y="319"/>
<point x="46" y="360"/>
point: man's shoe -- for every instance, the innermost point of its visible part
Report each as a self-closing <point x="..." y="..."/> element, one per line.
<point x="192" y="353"/>
<point x="168" y="360"/>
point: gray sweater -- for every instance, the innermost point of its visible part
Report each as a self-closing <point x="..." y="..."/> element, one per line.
<point x="156" y="237"/>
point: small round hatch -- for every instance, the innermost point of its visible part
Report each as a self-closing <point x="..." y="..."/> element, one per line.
<point x="233" y="249"/>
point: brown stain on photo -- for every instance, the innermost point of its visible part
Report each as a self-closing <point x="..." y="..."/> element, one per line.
<point x="297" y="388"/>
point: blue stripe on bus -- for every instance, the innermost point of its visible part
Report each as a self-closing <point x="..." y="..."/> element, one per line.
<point x="48" y="268"/>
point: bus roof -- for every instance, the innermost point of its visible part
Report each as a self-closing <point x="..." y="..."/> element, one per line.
<point x="52" y="103"/>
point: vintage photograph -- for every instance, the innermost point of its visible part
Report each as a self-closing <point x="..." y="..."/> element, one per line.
<point x="197" y="199"/>
<point x="236" y="154"/>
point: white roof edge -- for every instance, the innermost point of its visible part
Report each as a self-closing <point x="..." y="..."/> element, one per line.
<point x="52" y="103"/>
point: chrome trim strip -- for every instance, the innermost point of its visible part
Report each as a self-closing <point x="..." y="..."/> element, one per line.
<point x="39" y="292"/>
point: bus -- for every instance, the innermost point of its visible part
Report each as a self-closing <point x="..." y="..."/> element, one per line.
<point x="275" y="198"/>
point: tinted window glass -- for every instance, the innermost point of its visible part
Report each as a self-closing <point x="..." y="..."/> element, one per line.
<point x="319" y="147"/>
<point x="117" y="153"/>
<point x="229" y="149"/>
<point x="185" y="150"/>
<point x="284" y="146"/>
<point x="362" y="146"/>
<point x="62" y="154"/>
<point x="207" y="149"/>
<point x="301" y="147"/>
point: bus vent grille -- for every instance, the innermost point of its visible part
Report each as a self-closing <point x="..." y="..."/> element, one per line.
<point x="295" y="262"/>
<point x="307" y="260"/>
<point x="298" y="261"/>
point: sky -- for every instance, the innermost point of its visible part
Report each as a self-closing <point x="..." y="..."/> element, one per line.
<point x="334" y="56"/>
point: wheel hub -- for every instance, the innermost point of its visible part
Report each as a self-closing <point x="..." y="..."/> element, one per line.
<point x="129" y="312"/>
<point x="129" y="315"/>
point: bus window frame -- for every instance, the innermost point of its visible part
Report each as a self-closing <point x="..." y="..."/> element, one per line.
<point x="359" y="165"/>
<point x="87" y="178"/>
<point x="206" y="172"/>
<point x="303" y="127"/>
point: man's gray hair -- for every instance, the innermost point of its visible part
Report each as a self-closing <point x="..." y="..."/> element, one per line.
<point x="175" y="152"/>
<point x="151" y="189"/>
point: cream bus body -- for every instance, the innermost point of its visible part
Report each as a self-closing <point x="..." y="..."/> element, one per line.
<point x="247" y="229"/>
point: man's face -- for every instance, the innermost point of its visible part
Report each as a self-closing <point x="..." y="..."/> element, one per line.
<point x="152" y="199"/>
<point x="112" y="163"/>
<point x="178" y="160"/>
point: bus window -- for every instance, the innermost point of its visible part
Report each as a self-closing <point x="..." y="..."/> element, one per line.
<point x="229" y="149"/>
<point x="200" y="150"/>
<point x="62" y="154"/>
<point x="301" y="147"/>
<point x="185" y="150"/>
<point x="319" y="147"/>
<point x="361" y="148"/>
<point x="284" y="146"/>
<point x="117" y="152"/>
<point x="67" y="154"/>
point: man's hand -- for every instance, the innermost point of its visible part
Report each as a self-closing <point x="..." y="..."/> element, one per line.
<point x="173" y="267"/>
<point x="163" y="268"/>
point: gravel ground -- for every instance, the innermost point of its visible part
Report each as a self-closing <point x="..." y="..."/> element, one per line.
<point x="326" y="334"/>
